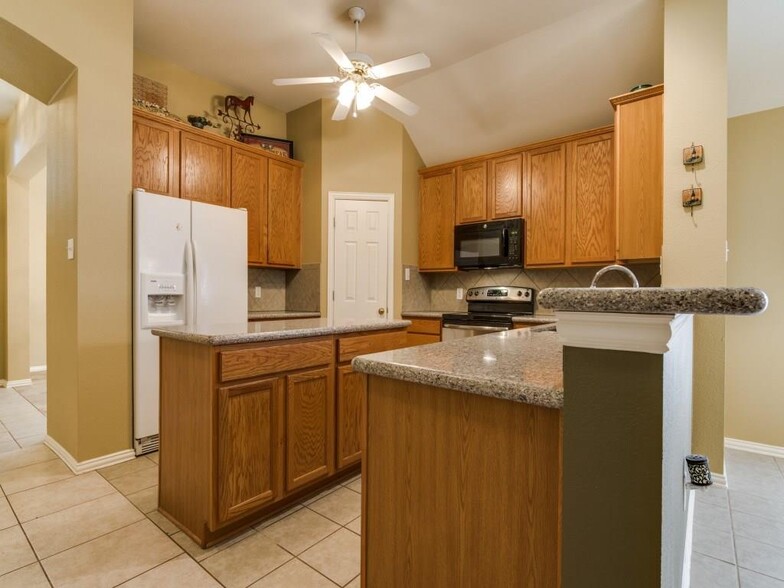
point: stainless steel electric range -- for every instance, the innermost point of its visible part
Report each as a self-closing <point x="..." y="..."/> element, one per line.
<point x="490" y="309"/>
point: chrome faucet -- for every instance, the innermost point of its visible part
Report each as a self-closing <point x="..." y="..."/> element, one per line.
<point x="616" y="268"/>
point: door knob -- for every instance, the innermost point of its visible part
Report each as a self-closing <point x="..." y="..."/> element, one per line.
<point x="381" y="311"/>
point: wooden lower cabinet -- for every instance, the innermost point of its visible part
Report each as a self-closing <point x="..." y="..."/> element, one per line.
<point x="249" y="434"/>
<point x="309" y="427"/>
<point x="248" y="429"/>
<point x="350" y="393"/>
<point x="423" y="331"/>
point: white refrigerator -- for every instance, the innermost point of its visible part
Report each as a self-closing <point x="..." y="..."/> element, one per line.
<point x="190" y="267"/>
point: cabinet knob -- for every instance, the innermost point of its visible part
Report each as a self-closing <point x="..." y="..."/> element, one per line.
<point x="381" y="311"/>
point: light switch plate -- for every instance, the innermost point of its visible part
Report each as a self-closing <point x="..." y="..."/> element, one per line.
<point x="408" y="274"/>
<point x="257" y="292"/>
<point x="69" y="249"/>
<point x="459" y="293"/>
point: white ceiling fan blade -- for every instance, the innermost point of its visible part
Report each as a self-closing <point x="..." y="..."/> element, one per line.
<point x="341" y="111"/>
<point x="404" y="105"/>
<point x="331" y="46"/>
<point x="296" y="81"/>
<point x="400" y="66"/>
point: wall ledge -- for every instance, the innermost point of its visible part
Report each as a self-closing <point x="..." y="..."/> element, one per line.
<point x="81" y="467"/>
<point x="643" y="333"/>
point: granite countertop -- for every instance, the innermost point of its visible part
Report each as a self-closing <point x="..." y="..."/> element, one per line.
<point x="524" y="365"/>
<point x="269" y="315"/>
<point x="726" y="301"/>
<point x="257" y="331"/>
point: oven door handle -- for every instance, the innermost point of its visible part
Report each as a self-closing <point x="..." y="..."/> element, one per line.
<point x="475" y="328"/>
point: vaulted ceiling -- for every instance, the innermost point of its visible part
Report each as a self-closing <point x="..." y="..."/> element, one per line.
<point x="503" y="73"/>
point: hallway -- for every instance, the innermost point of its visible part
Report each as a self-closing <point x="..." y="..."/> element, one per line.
<point x="23" y="415"/>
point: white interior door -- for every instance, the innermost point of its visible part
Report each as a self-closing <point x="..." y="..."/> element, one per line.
<point x="361" y="260"/>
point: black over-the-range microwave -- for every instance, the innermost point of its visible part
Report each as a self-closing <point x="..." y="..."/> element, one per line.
<point x="489" y="245"/>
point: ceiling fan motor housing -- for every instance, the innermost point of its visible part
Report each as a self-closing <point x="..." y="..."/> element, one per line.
<point x="356" y="14"/>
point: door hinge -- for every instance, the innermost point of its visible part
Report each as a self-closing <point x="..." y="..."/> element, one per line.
<point x="334" y="222"/>
<point x="333" y="295"/>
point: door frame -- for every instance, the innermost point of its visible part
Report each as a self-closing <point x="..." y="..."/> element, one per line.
<point x="333" y="197"/>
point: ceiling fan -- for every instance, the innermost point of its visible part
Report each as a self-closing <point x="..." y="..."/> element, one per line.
<point x="357" y="74"/>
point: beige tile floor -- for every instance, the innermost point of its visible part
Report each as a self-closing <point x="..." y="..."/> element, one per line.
<point x="23" y="415"/>
<point x="739" y="531"/>
<point x="103" y="529"/>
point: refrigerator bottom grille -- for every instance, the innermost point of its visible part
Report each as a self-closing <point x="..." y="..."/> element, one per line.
<point x="146" y="444"/>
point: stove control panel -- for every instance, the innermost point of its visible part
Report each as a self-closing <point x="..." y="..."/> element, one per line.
<point x="500" y="294"/>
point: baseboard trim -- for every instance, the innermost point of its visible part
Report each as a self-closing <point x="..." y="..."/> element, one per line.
<point x="719" y="480"/>
<point x="687" y="548"/>
<point x="14" y="383"/>
<point x="81" y="467"/>
<point x="741" y="445"/>
<point x="37" y="369"/>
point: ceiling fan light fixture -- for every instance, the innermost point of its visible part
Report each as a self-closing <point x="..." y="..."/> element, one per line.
<point x="346" y="93"/>
<point x="365" y="95"/>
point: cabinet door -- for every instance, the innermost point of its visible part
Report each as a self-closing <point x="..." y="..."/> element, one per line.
<point x="310" y="426"/>
<point x="284" y="241"/>
<point x="156" y="157"/>
<point x="248" y="464"/>
<point x="546" y="206"/>
<point x="204" y="169"/>
<point x="249" y="191"/>
<point x="506" y="186"/>
<point x="351" y="390"/>
<point x="471" y="193"/>
<point x="437" y="221"/>
<point x="640" y="163"/>
<point x="592" y="200"/>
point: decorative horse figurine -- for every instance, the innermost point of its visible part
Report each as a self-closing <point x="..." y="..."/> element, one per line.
<point x="232" y="102"/>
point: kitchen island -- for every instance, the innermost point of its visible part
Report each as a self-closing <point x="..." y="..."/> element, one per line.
<point x="256" y="416"/>
<point x="538" y="458"/>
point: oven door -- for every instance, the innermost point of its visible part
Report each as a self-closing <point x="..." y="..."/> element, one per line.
<point x="491" y="244"/>
<point x="450" y="332"/>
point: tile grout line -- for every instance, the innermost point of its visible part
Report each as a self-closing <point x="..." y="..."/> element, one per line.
<point x="732" y="531"/>
<point x="32" y="549"/>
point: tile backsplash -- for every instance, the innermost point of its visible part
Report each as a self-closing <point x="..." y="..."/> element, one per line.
<point x="437" y="291"/>
<point x="284" y="289"/>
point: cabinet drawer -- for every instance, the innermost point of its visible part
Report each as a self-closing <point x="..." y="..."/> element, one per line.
<point x="414" y="339"/>
<point x="425" y="326"/>
<point x="247" y="363"/>
<point x="350" y="347"/>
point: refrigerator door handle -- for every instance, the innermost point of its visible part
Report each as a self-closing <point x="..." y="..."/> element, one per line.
<point x="190" y="283"/>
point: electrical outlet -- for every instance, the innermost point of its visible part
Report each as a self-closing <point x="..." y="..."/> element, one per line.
<point x="257" y="292"/>
<point x="408" y="274"/>
<point x="459" y="293"/>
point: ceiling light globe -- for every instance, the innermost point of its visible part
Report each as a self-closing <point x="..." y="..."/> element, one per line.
<point x="346" y="92"/>
<point x="365" y="95"/>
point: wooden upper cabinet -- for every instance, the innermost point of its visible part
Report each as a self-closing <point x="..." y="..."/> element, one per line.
<point x="284" y="236"/>
<point x="249" y="191"/>
<point x="591" y="200"/>
<point x="471" y="193"/>
<point x="156" y="157"/>
<point x="204" y="169"/>
<point x="505" y="186"/>
<point x="639" y="167"/>
<point x="310" y="426"/>
<point x="437" y="221"/>
<point x="249" y="468"/>
<point x="546" y="206"/>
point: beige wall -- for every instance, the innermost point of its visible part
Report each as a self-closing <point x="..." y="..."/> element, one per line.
<point x="89" y="171"/>
<point x="18" y="268"/>
<point x="190" y="93"/>
<point x="304" y="128"/>
<point x="695" y="110"/>
<point x="3" y="268"/>
<point x="370" y="153"/>
<point x="755" y="372"/>
<point x="37" y="259"/>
